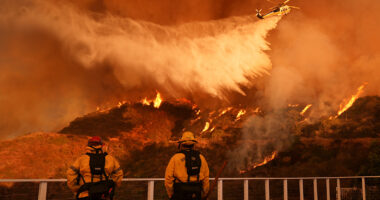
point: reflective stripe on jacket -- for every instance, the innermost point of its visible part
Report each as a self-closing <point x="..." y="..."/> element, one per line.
<point x="176" y="169"/>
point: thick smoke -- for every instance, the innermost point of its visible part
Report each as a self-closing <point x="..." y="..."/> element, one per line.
<point x="60" y="48"/>
<point x="68" y="59"/>
<point x="321" y="55"/>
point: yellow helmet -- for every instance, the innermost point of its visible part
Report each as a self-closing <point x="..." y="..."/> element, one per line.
<point x="187" y="138"/>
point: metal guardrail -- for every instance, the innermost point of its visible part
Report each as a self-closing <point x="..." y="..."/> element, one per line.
<point x="43" y="183"/>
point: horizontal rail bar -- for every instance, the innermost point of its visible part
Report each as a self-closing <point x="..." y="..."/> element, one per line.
<point x="295" y="178"/>
<point x="225" y="179"/>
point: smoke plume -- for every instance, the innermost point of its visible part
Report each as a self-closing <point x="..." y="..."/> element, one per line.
<point x="321" y="55"/>
<point x="59" y="61"/>
<point x="69" y="59"/>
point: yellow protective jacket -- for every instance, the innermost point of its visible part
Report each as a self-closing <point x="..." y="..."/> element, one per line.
<point x="82" y="166"/>
<point x="176" y="169"/>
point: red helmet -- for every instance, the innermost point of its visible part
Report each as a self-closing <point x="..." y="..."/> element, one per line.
<point x="95" y="141"/>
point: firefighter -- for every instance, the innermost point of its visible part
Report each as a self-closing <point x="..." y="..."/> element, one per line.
<point x="187" y="174"/>
<point x="94" y="175"/>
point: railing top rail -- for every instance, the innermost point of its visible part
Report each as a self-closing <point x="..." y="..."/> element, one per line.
<point x="226" y="179"/>
<point x="296" y="178"/>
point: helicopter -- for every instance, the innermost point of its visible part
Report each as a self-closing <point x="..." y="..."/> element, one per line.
<point x="279" y="10"/>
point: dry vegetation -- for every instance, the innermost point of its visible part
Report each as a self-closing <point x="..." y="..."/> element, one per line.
<point x="142" y="136"/>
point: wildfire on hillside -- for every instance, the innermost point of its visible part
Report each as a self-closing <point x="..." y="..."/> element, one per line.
<point x="155" y="102"/>
<point x="207" y="125"/>
<point x="204" y="122"/>
<point x="241" y="113"/>
<point x="264" y="162"/>
<point x="305" y="109"/>
<point x="348" y="104"/>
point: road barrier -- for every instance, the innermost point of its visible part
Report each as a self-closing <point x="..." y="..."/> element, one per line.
<point x="327" y="181"/>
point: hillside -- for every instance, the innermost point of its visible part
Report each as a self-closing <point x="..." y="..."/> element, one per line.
<point x="139" y="135"/>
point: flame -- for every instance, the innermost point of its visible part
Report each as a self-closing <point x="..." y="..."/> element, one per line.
<point x="257" y="110"/>
<point x="157" y="102"/>
<point x="224" y="111"/>
<point x="207" y="125"/>
<point x="293" y="105"/>
<point x="195" y="120"/>
<point x="145" y="102"/>
<point x="240" y="113"/>
<point x="305" y="109"/>
<point x="212" y="129"/>
<point x="120" y="104"/>
<point x="102" y="110"/>
<point x="266" y="160"/>
<point x="343" y="108"/>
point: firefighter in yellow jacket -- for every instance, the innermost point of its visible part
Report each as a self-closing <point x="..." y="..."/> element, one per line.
<point x="95" y="174"/>
<point x="187" y="174"/>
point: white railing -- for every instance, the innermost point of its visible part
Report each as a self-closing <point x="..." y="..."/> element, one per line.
<point x="150" y="184"/>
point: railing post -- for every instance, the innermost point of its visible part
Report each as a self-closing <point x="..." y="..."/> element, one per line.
<point x="328" y="189"/>
<point x="42" y="191"/>
<point x="301" y="189"/>
<point x="150" y="190"/>
<point x="220" y="189"/>
<point x="338" y="189"/>
<point x="246" y="194"/>
<point x="267" y="196"/>
<point x="363" y="188"/>
<point x="285" y="189"/>
<point x="315" y="183"/>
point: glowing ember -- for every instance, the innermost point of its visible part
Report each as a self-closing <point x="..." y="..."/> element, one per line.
<point x="266" y="160"/>
<point x="157" y="102"/>
<point x="351" y="101"/>
<point x="207" y="125"/>
<point x="305" y="109"/>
